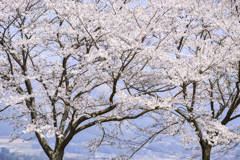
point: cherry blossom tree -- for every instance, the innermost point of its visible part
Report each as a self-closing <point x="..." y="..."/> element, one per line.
<point x="204" y="67"/>
<point x="175" y="62"/>
<point x="57" y="58"/>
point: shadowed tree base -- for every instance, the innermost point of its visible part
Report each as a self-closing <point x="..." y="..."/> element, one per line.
<point x="206" y="151"/>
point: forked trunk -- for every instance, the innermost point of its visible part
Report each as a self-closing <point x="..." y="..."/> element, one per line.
<point x="58" y="155"/>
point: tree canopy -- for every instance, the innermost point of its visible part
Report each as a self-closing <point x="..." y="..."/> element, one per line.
<point x="68" y="65"/>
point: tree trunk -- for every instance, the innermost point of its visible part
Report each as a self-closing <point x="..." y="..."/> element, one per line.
<point x="206" y="151"/>
<point x="57" y="155"/>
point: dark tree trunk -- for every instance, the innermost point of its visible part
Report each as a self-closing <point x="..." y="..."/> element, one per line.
<point x="206" y="151"/>
<point x="57" y="155"/>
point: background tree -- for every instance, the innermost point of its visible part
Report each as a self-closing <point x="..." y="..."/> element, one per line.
<point x="205" y="71"/>
<point x="58" y="56"/>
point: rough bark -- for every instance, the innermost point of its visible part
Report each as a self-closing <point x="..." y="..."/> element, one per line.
<point x="206" y="151"/>
<point x="57" y="155"/>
